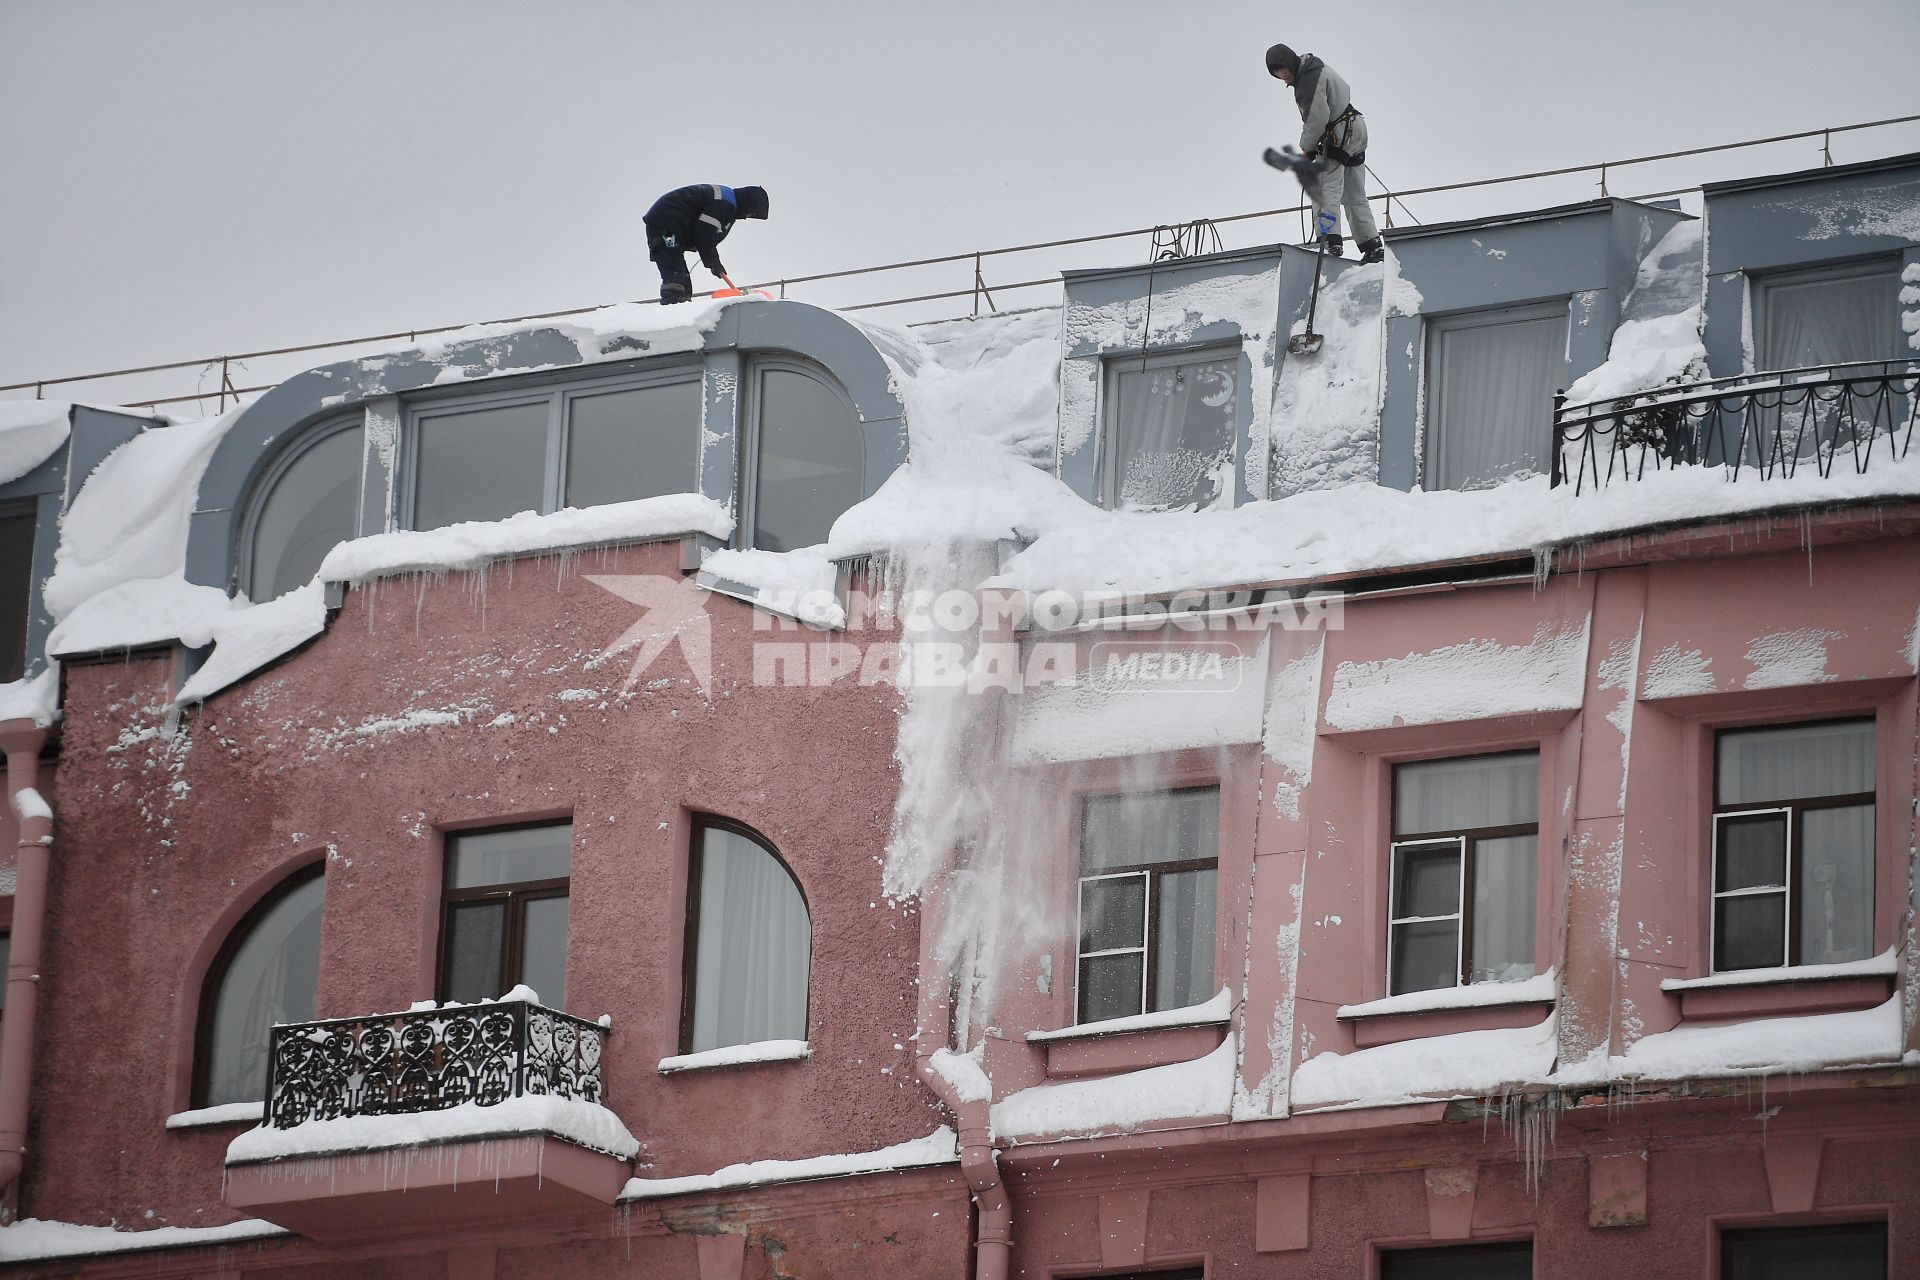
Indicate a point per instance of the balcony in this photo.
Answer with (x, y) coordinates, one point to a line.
(448, 1117)
(1771, 424)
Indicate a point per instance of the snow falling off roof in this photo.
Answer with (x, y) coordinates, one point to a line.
(31, 431)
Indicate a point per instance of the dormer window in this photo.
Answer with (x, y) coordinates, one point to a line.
(16, 588)
(1491, 376)
(1833, 315)
(309, 504)
(804, 457)
(1170, 423)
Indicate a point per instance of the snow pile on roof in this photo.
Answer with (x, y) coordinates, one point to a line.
(31, 431)
(1657, 342)
(39, 1240)
(1474, 1063)
(587, 1124)
(937, 1148)
(35, 698)
(1326, 417)
(1198, 1090)
(473, 544)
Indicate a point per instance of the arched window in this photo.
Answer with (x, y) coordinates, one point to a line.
(748, 943)
(806, 455)
(268, 971)
(309, 504)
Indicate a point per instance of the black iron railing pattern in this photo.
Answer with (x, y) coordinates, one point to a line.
(1771, 424)
(429, 1060)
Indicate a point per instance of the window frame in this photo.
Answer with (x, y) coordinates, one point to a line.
(201, 1078)
(1794, 809)
(1107, 466)
(1469, 839)
(690, 934)
(27, 509)
(1434, 330)
(1150, 930)
(1821, 1226)
(1386, 1256)
(516, 894)
(747, 464)
(1763, 283)
(276, 471)
(559, 397)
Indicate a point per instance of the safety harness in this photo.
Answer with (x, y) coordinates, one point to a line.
(1337, 150)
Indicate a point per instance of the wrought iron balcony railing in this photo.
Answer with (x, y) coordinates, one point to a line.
(429, 1060)
(1770, 423)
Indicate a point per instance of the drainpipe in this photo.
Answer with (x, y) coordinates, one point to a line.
(22, 740)
(993, 1238)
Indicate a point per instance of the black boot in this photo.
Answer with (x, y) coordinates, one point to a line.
(1335, 245)
(1373, 250)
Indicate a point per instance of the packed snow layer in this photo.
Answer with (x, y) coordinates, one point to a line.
(1326, 412)
(937, 1148)
(1646, 354)
(1367, 528)
(962, 1073)
(586, 1123)
(1767, 1045)
(737, 1055)
(1677, 673)
(31, 431)
(1474, 680)
(1884, 965)
(1538, 989)
(1475, 1063)
(28, 803)
(1094, 718)
(38, 1240)
(1218, 1008)
(1201, 1090)
(473, 544)
(225, 1113)
(1783, 659)
(35, 698)
(1667, 281)
(800, 583)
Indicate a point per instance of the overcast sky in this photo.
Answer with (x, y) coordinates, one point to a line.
(180, 178)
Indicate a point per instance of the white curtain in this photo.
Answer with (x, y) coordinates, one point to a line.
(1185, 960)
(1490, 399)
(1835, 871)
(1505, 889)
(1819, 322)
(1467, 794)
(1796, 762)
(750, 966)
(1174, 430)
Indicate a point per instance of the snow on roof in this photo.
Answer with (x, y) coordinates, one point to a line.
(937, 1148)
(586, 1124)
(40, 1240)
(31, 431)
(35, 698)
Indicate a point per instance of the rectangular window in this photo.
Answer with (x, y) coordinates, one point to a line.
(1833, 315)
(505, 917)
(16, 589)
(1491, 376)
(1170, 429)
(1511, 1261)
(1852, 1252)
(1463, 879)
(1793, 845)
(1148, 872)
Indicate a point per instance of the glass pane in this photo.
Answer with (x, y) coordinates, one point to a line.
(1113, 913)
(1184, 966)
(1426, 880)
(476, 936)
(1466, 1262)
(483, 464)
(1852, 1252)
(1490, 398)
(632, 444)
(1110, 986)
(312, 508)
(543, 949)
(1750, 932)
(16, 591)
(1425, 955)
(1146, 828)
(271, 977)
(1174, 432)
(1466, 794)
(518, 856)
(1835, 869)
(1795, 762)
(1833, 321)
(753, 949)
(1753, 852)
(1505, 887)
(809, 464)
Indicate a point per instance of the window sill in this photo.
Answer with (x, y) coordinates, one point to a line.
(737, 1055)
(1132, 1043)
(1806, 988)
(211, 1117)
(1483, 1006)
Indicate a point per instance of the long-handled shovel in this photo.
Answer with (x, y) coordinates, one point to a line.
(1306, 342)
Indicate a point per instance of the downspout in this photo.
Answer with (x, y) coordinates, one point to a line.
(22, 740)
(993, 1239)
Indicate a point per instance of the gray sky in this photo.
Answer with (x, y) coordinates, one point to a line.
(181, 178)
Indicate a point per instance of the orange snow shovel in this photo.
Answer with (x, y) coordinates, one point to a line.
(735, 291)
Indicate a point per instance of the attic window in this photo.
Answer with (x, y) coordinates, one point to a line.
(1491, 376)
(1170, 423)
(309, 504)
(805, 457)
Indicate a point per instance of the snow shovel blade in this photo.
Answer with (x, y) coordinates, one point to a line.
(1305, 344)
(1291, 161)
(731, 291)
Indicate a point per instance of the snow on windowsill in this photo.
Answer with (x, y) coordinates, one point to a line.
(737, 1055)
(1473, 1063)
(1207, 1013)
(39, 1240)
(225, 1113)
(1199, 1090)
(587, 1124)
(1760, 1047)
(1884, 965)
(1538, 989)
(937, 1148)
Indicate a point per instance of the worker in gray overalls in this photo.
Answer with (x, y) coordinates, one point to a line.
(1334, 134)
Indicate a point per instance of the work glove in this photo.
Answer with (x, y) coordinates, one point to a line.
(712, 261)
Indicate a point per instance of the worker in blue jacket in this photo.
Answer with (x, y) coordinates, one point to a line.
(697, 218)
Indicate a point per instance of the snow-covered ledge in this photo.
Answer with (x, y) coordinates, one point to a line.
(1884, 965)
(1206, 1013)
(39, 1240)
(737, 1055)
(1800, 988)
(1136, 1042)
(1480, 995)
(225, 1113)
(937, 1148)
(1422, 1015)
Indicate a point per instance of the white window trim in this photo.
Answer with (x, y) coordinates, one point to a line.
(1783, 891)
(1146, 918)
(1458, 916)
